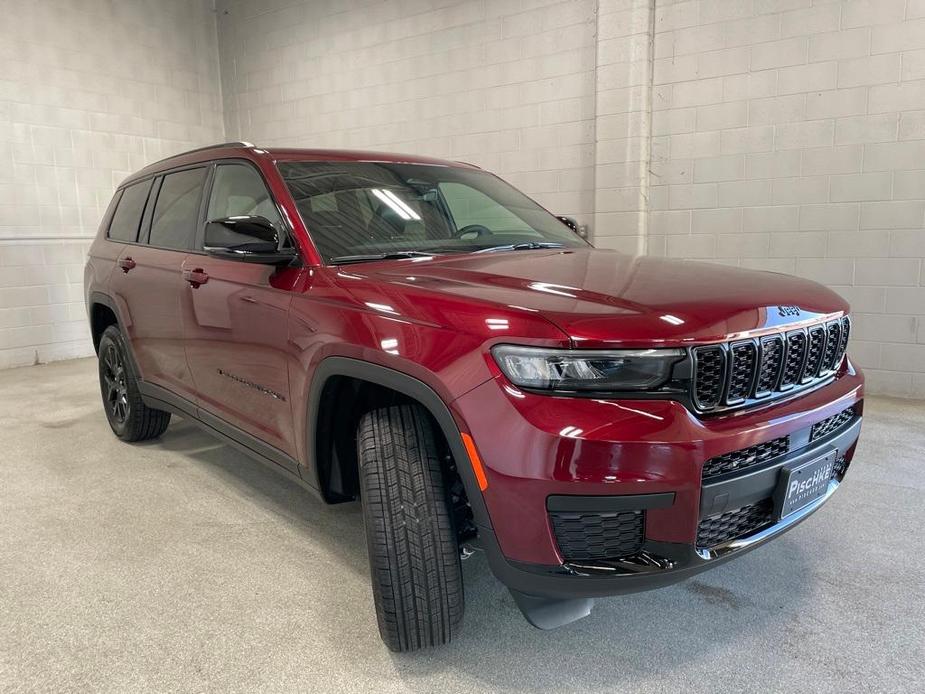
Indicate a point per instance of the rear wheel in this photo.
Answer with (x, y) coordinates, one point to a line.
(413, 552)
(129, 418)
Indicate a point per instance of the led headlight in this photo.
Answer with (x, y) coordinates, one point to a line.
(586, 370)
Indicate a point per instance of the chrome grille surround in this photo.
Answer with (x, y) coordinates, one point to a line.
(761, 369)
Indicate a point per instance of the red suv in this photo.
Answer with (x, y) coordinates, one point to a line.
(419, 335)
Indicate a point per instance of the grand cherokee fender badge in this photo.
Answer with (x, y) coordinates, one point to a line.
(250, 384)
(787, 311)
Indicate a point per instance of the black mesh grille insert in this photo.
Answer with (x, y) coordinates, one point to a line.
(832, 343)
(814, 353)
(709, 376)
(831, 424)
(841, 467)
(746, 457)
(793, 366)
(772, 357)
(843, 345)
(743, 357)
(733, 524)
(589, 536)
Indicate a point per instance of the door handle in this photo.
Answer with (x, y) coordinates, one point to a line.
(196, 277)
(126, 264)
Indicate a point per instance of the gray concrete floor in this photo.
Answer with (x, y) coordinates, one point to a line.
(182, 565)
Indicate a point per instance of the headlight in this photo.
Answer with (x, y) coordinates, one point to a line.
(586, 370)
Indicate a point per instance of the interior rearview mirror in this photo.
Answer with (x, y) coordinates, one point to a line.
(247, 238)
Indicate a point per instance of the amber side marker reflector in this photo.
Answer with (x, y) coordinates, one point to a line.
(476, 461)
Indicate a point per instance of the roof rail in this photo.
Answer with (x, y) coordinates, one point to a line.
(238, 143)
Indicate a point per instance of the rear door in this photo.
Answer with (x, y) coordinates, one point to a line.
(236, 321)
(149, 285)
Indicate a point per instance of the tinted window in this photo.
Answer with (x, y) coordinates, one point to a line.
(471, 207)
(127, 217)
(176, 212)
(239, 190)
(357, 208)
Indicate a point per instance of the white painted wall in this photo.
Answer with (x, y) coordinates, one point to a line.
(789, 135)
(89, 92)
(508, 84)
(778, 134)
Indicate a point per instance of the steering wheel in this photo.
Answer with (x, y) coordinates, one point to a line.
(477, 229)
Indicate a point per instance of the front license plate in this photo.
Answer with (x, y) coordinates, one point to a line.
(803, 484)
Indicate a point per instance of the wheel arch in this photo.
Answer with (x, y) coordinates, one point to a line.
(413, 389)
(100, 305)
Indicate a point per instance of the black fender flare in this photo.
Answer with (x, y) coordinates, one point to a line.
(97, 297)
(414, 389)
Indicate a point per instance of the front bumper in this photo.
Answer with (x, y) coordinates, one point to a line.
(650, 458)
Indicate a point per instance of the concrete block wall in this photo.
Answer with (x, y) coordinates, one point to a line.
(785, 135)
(89, 92)
(508, 84)
(789, 135)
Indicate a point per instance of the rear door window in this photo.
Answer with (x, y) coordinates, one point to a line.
(176, 212)
(127, 217)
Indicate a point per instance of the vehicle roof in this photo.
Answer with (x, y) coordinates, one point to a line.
(246, 150)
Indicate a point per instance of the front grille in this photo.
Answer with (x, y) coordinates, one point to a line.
(733, 524)
(709, 376)
(831, 424)
(746, 457)
(590, 536)
(737, 373)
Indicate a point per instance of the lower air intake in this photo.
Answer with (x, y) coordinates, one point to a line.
(734, 524)
(595, 536)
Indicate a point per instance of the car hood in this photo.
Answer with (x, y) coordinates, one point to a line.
(604, 298)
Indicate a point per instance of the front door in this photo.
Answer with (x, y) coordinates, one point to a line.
(235, 322)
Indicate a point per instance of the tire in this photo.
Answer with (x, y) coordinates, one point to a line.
(413, 552)
(128, 416)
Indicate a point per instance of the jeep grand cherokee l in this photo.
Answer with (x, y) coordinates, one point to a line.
(419, 335)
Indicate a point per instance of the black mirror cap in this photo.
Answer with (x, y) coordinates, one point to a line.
(246, 238)
(572, 224)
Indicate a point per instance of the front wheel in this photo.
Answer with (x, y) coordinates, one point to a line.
(413, 552)
(129, 418)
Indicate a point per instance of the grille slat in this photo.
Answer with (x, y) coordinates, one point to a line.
(772, 360)
(738, 373)
(746, 457)
(843, 344)
(732, 524)
(709, 376)
(793, 365)
(590, 536)
(832, 343)
(743, 359)
(814, 353)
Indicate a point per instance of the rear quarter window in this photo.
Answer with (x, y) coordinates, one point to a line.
(127, 218)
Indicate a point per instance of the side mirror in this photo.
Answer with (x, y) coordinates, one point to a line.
(573, 225)
(249, 239)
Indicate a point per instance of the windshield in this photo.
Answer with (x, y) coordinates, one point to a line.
(358, 211)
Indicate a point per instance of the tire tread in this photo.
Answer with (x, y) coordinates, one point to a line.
(414, 557)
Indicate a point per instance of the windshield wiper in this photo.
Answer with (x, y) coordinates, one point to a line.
(369, 257)
(526, 246)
